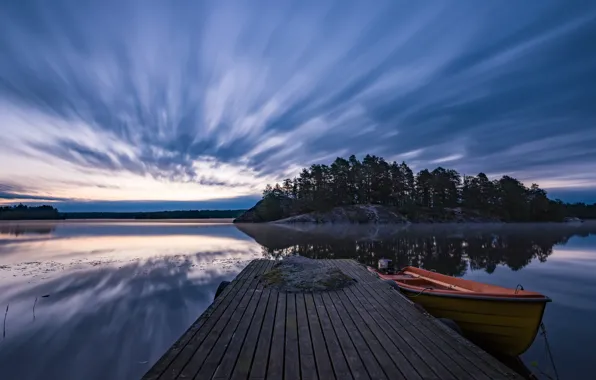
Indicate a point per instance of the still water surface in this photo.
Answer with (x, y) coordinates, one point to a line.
(120, 293)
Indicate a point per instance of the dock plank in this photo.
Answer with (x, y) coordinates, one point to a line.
(323, 362)
(247, 353)
(292, 354)
(308, 367)
(176, 358)
(277, 350)
(338, 364)
(408, 363)
(393, 363)
(225, 355)
(160, 366)
(351, 357)
(365, 331)
(414, 337)
(206, 358)
(258, 368)
(373, 367)
(477, 362)
(402, 333)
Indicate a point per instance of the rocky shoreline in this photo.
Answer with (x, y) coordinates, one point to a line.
(364, 214)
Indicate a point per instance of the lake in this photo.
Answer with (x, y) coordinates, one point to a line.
(105, 299)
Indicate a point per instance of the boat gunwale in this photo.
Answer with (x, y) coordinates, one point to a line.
(523, 296)
(472, 296)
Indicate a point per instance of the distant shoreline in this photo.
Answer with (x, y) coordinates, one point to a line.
(116, 220)
(22, 212)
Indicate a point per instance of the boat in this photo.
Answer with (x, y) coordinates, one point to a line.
(501, 320)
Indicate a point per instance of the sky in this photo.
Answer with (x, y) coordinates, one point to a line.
(129, 105)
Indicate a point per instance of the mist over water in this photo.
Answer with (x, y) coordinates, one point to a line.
(120, 293)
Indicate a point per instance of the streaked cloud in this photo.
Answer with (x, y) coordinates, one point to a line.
(196, 101)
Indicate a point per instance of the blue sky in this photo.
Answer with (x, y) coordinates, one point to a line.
(122, 105)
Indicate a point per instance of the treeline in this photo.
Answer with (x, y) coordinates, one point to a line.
(376, 181)
(581, 210)
(22, 212)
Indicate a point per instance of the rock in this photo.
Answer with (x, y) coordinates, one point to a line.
(572, 219)
(301, 274)
(283, 211)
(267, 210)
(350, 214)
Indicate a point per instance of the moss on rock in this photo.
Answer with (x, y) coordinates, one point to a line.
(300, 274)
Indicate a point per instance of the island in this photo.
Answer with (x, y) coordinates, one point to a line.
(376, 191)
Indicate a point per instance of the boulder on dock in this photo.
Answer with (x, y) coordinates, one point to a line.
(301, 274)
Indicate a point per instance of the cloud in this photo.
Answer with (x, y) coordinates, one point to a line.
(207, 100)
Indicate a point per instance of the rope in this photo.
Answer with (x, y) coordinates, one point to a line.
(550, 354)
(422, 291)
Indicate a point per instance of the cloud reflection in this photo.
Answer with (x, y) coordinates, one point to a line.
(116, 321)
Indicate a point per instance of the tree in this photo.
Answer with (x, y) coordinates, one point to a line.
(374, 180)
(287, 188)
(340, 182)
(513, 199)
(424, 188)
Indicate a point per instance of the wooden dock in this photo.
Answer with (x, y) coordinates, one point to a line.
(365, 331)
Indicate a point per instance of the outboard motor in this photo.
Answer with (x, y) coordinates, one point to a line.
(385, 266)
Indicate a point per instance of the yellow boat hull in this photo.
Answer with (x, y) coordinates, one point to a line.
(499, 325)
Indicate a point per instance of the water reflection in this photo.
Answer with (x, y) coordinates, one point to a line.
(119, 294)
(122, 292)
(447, 249)
(31, 229)
(115, 321)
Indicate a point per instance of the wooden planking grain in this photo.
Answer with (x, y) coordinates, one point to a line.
(308, 367)
(475, 360)
(373, 367)
(194, 336)
(357, 369)
(223, 325)
(324, 367)
(367, 330)
(398, 330)
(322, 359)
(292, 354)
(275, 369)
(395, 365)
(331, 334)
(416, 339)
(413, 317)
(420, 352)
(260, 359)
(168, 357)
(424, 363)
(245, 358)
(225, 364)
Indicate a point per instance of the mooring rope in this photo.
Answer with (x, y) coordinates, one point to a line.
(548, 350)
(420, 293)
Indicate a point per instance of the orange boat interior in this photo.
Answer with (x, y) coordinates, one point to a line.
(416, 279)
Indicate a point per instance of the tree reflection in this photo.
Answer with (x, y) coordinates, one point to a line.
(446, 249)
(26, 229)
